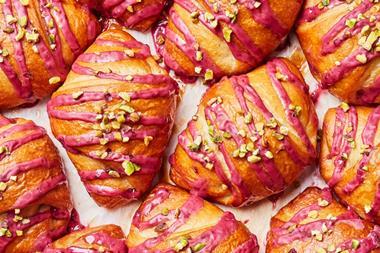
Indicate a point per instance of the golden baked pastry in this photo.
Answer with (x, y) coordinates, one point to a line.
(171, 220)
(114, 116)
(40, 39)
(212, 39)
(315, 222)
(252, 136)
(349, 160)
(106, 238)
(134, 14)
(340, 40)
(35, 204)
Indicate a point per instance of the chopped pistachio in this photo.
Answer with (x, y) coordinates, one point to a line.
(269, 154)
(198, 56)
(209, 75)
(227, 33)
(345, 107)
(198, 247)
(3, 186)
(254, 159)
(129, 52)
(323, 202)
(77, 94)
(181, 244)
(198, 70)
(147, 140)
(325, 2)
(367, 208)
(355, 244)
(248, 118)
(24, 2)
(362, 58)
(127, 108)
(350, 23)
(165, 211)
(23, 21)
(113, 173)
(54, 80)
(130, 8)
(130, 167)
(125, 96)
(313, 214)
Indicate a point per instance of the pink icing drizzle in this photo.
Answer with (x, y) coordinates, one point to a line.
(37, 218)
(189, 208)
(273, 67)
(368, 138)
(339, 148)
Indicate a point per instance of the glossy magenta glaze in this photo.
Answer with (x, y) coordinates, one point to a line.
(341, 145)
(53, 59)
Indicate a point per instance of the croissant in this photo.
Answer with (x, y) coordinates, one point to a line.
(315, 222)
(341, 42)
(212, 39)
(136, 14)
(171, 220)
(35, 204)
(114, 116)
(106, 238)
(39, 42)
(252, 136)
(349, 157)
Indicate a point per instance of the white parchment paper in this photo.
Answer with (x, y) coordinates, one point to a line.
(256, 217)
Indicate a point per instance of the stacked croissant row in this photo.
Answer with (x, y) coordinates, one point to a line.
(112, 106)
